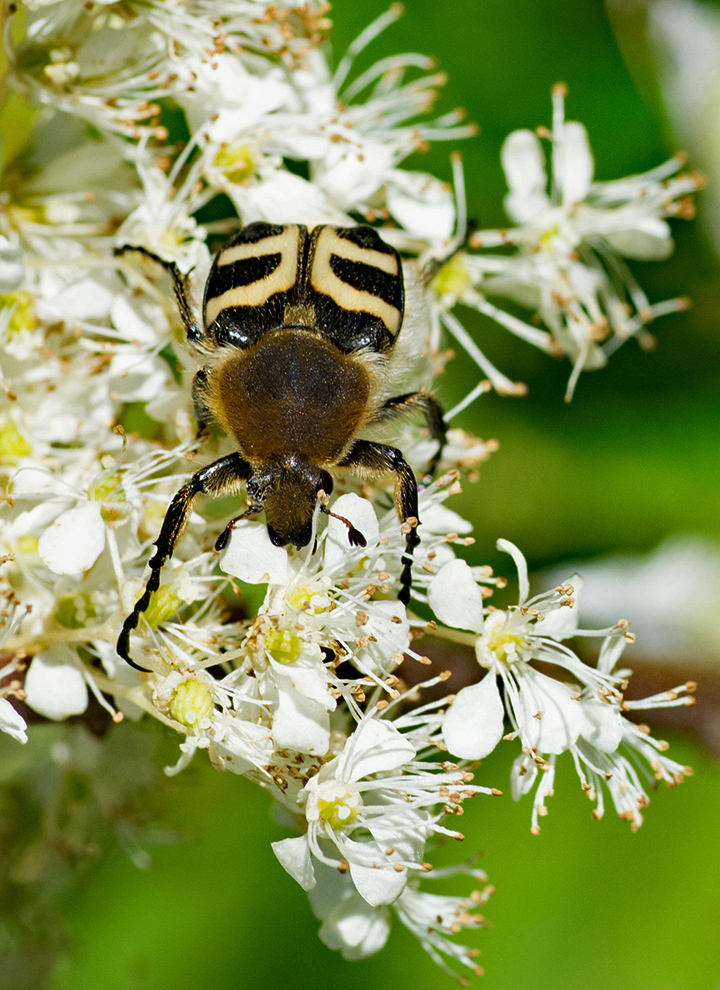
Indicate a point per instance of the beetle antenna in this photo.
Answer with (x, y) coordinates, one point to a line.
(354, 535)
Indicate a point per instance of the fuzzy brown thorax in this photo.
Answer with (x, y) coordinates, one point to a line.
(292, 393)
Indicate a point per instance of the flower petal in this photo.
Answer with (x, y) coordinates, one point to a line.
(421, 204)
(648, 239)
(378, 887)
(361, 514)
(374, 747)
(474, 724)
(387, 624)
(576, 173)
(437, 518)
(455, 597)
(522, 569)
(356, 928)
(549, 716)
(299, 723)
(603, 725)
(294, 856)
(524, 166)
(75, 540)
(252, 557)
(11, 722)
(54, 686)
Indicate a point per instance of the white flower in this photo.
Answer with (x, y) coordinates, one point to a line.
(610, 754)
(580, 709)
(569, 243)
(357, 929)
(435, 919)
(375, 805)
(545, 712)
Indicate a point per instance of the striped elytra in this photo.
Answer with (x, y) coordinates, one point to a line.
(344, 282)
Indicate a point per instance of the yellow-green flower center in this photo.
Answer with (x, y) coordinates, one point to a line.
(164, 603)
(236, 161)
(191, 701)
(339, 810)
(300, 598)
(108, 488)
(23, 317)
(545, 240)
(453, 278)
(283, 645)
(501, 640)
(13, 444)
(75, 611)
(27, 544)
(507, 646)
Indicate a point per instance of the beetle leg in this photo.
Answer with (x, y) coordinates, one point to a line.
(193, 332)
(203, 416)
(377, 458)
(431, 409)
(223, 477)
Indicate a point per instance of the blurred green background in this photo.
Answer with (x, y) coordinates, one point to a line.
(633, 459)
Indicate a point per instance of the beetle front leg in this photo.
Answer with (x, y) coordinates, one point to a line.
(223, 477)
(378, 458)
(431, 409)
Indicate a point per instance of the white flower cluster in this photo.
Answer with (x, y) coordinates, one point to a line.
(168, 125)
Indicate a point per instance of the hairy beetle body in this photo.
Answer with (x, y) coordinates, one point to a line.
(299, 347)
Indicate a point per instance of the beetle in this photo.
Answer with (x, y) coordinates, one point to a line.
(301, 352)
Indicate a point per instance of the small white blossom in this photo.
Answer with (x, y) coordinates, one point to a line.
(375, 805)
(544, 712)
(579, 709)
(357, 929)
(568, 244)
